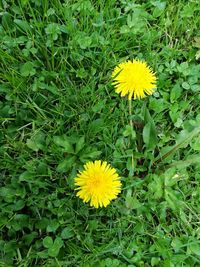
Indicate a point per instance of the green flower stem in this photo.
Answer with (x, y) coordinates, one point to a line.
(130, 112)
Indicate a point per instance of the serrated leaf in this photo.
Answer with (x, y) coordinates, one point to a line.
(63, 142)
(65, 165)
(89, 155)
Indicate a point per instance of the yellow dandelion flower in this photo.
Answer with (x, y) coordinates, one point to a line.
(134, 78)
(98, 183)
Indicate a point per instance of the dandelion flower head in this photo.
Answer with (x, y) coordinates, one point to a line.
(134, 78)
(98, 183)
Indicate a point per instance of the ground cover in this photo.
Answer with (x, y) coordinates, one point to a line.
(59, 110)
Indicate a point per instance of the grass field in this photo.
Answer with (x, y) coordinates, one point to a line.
(59, 110)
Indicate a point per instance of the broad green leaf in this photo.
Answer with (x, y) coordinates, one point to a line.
(159, 8)
(37, 142)
(197, 56)
(28, 69)
(99, 106)
(195, 87)
(47, 242)
(52, 88)
(129, 132)
(67, 232)
(84, 41)
(149, 130)
(28, 238)
(186, 85)
(184, 68)
(176, 244)
(155, 187)
(171, 177)
(53, 251)
(195, 144)
(26, 177)
(155, 261)
(8, 194)
(80, 144)
(97, 125)
(55, 248)
(124, 29)
(132, 203)
(53, 29)
(24, 2)
(19, 205)
(6, 21)
(52, 226)
(197, 42)
(172, 199)
(58, 243)
(149, 135)
(175, 92)
(194, 248)
(23, 25)
(50, 12)
(158, 105)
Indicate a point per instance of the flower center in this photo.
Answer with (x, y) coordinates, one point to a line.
(95, 182)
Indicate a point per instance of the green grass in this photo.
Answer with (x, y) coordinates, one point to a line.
(56, 60)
